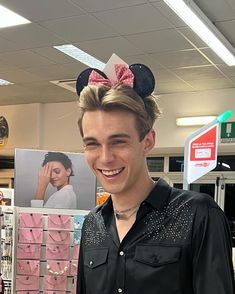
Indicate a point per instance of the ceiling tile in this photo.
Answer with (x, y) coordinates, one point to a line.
(170, 15)
(124, 19)
(58, 72)
(103, 48)
(53, 55)
(164, 76)
(175, 87)
(216, 10)
(231, 3)
(48, 87)
(34, 89)
(227, 29)
(180, 58)
(39, 10)
(214, 58)
(30, 36)
(144, 59)
(139, 31)
(5, 66)
(198, 73)
(159, 41)
(25, 59)
(208, 84)
(228, 70)
(19, 76)
(73, 69)
(8, 93)
(80, 28)
(52, 72)
(93, 6)
(6, 45)
(192, 37)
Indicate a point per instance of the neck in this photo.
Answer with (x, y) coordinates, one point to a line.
(133, 198)
(59, 188)
(126, 214)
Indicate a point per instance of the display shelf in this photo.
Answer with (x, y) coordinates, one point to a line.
(7, 247)
(51, 230)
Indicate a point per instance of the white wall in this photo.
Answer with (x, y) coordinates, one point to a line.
(60, 128)
(24, 126)
(53, 126)
(190, 104)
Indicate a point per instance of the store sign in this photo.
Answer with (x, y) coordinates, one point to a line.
(227, 134)
(202, 153)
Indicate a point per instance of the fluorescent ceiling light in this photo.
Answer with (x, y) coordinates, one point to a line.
(5, 83)
(194, 121)
(191, 14)
(81, 56)
(9, 18)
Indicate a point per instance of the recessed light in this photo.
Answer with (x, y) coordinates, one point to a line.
(81, 56)
(5, 83)
(9, 18)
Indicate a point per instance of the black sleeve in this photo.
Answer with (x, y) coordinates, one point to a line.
(212, 255)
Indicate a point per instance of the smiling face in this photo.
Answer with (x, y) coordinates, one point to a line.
(59, 175)
(114, 151)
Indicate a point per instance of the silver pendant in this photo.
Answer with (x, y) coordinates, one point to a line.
(121, 216)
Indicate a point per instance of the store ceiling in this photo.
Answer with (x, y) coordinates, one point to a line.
(138, 31)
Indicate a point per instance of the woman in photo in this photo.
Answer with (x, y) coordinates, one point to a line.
(56, 169)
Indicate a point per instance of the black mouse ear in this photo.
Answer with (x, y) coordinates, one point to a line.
(83, 78)
(144, 81)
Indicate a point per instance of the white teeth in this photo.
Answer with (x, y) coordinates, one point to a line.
(111, 172)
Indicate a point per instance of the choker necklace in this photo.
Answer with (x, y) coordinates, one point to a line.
(123, 214)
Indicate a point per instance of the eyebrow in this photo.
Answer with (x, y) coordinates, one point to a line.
(114, 136)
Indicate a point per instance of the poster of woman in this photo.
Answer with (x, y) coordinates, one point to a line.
(6, 196)
(53, 179)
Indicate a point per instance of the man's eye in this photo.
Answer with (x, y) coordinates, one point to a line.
(118, 142)
(90, 145)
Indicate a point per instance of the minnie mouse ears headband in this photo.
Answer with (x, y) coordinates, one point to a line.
(138, 76)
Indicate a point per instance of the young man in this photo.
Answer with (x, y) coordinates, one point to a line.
(147, 237)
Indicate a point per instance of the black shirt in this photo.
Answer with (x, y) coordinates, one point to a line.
(180, 243)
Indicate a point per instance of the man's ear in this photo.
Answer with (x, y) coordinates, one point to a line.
(149, 141)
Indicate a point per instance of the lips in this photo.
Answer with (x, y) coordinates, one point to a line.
(111, 173)
(54, 182)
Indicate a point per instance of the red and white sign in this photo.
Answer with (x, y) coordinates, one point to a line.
(202, 155)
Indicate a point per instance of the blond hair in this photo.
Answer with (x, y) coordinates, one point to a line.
(120, 97)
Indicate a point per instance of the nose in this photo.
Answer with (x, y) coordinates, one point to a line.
(106, 154)
(53, 175)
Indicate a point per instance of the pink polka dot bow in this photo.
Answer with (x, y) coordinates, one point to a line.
(123, 73)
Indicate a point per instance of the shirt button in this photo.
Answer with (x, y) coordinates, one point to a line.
(119, 290)
(91, 263)
(155, 259)
(121, 253)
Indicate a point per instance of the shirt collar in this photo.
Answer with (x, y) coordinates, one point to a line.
(158, 198)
